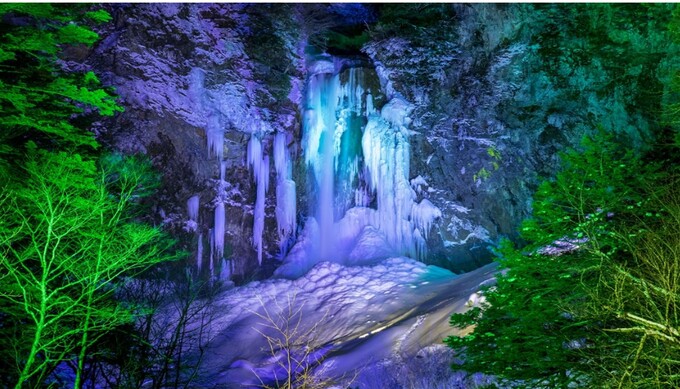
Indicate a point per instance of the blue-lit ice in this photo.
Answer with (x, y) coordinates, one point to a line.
(340, 319)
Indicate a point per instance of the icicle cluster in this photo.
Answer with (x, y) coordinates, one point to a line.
(386, 149)
(215, 134)
(423, 215)
(387, 154)
(259, 165)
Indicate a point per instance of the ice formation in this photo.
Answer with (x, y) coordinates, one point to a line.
(212, 254)
(214, 130)
(281, 157)
(199, 252)
(318, 142)
(192, 208)
(286, 195)
(219, 225)
(393, 307)
(215, 134)
(423, 215)
(387, 155)
(358, 158)
(223, 168)
(218, 231)
(259, 165)
(225, 270)
(357, 154)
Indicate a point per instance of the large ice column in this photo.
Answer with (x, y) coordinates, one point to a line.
(386, 153)
(259, 165)
(318, 143)
(357, 157)
(286, 207)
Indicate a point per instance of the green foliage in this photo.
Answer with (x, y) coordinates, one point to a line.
(594, 185)
(544, 321)
(38, 96)
(68, 228)
(484, 174)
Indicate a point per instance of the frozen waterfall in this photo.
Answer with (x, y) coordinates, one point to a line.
(362, 206)
(358, 158)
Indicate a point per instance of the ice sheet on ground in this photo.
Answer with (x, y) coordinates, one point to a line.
(354, 315)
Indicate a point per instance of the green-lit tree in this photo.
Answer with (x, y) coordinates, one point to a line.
(555, 314)
(68, 231)
(68, 237)
(38, 96)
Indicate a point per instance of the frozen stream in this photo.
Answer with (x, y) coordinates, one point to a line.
(345, 318)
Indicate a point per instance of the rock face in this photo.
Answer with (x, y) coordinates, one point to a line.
(198, 76)
(496, 91)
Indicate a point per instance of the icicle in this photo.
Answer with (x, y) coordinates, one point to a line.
(218, 230)
(423, 215)
(254, 155)
(258, 222)
(285, 208)
(215, 134)
(199, 252)
(280, 154)
(192, 208)
(369, 104)
(223, 168)
(285, 193)
(421, 246)
(212, 254)
(225, 270)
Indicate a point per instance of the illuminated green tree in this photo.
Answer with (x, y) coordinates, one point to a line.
(39, 98)
(592, 299)
(68, 237)
(68, 233)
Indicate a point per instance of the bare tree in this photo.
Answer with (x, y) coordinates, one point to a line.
(294, 344)
(69, 235)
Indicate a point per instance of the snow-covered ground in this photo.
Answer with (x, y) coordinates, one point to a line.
(339, 323)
